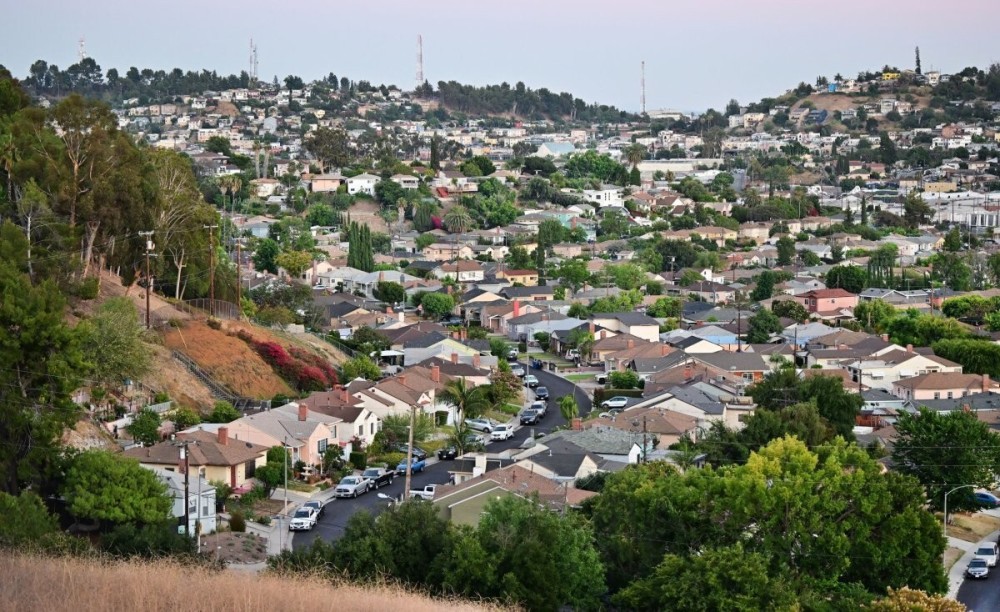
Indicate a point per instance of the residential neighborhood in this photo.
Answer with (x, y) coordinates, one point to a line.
(300, 315)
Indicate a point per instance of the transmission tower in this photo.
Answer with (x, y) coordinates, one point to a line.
(642, 87)
(420, 60)
(253, 61)
(81, 50)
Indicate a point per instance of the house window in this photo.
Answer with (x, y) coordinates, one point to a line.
(949, 395)
(937, 395)
(321, 446)
(372, 428)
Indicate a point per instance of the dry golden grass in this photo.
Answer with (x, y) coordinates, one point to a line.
(972, 527)
(31, 584)
(952, 555)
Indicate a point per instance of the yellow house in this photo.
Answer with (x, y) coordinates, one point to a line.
(940, 187)
(216, 456)
(890, 76)
(528, 278)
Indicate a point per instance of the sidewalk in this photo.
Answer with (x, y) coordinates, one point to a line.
(956, 575)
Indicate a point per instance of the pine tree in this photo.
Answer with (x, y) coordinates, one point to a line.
(918, 61)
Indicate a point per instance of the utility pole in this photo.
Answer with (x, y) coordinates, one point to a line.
(211, 268)
(409, 451)
(645, 448)
(239, 278)
(185, 460)
(149, 281)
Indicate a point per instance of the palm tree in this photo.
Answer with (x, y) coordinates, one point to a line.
(583, 341)
(468, 401)
(635, 153)
(458, 220)
(568, 408)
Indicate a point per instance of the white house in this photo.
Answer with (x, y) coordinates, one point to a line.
(201, 498)
(362, 183)
(608, 196)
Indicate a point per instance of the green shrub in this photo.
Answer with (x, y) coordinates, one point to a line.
(237, 522)
(214, 323)
(88, 289)
(359, 460)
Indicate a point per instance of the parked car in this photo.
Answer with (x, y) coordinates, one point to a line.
(541, 393)
(541, 408)
(318, 505)
(987, 500)
(978, 568)
(377, 477)
(530, 417)
(351, 486)
(531, 380)
(502, 432)
(989, 552)
(602, 378)
(448, 452)
(426, 493)
(572, 354)
(512, 354)
(483, 425)
(418, 453)
(618, 401)
(416, 466)
(452, 320)
(517, 370)
(304, 519)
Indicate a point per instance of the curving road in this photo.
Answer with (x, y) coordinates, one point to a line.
(339, 511)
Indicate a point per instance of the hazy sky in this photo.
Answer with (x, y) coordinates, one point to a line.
(698, 53)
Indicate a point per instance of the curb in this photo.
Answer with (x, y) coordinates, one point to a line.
(956, 575)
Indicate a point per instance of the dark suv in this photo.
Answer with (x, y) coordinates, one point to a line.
(530, 417)
(541, 393)
(419, 454)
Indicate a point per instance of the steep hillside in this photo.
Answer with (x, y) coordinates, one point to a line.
(31, 584)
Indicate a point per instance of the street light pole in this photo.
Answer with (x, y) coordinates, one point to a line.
(946, 505)
(409, 452)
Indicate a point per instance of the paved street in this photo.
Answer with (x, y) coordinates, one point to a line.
(980, 595)
(338, 511)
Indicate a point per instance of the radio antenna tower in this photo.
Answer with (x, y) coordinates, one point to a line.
(420, 60)
(253, 62)
(642, 86)
(81, 50)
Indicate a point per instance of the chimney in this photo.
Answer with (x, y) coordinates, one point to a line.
(463, 334)
(388, 311)
(577, 424)
(401, 316)
(986, 383)
(402, 379)
(436, 373)
(303, 409)
(517, 308)
(663, 350)
(343, 395)
(631, 343)
(454, 357)
(687, 372)
(604, 334)
(885, 337)
(455, 335)
(591, 327)
(909, 348)
(224, 436)
(381, 276)
(476, 363)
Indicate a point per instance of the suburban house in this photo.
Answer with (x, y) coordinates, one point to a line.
(265, 187)
(555, 149)
(464, 504)
(307, 433)
(528, 278)
(443, 251)
(609, 444)
(464, 271)
(943, 385)
(882, 371)
(635, 323)
(406, 181)
(667, 425)
(362, 183)
(356, 421)
(829, 302)
(216, 456)
(324, 183)
(202, 517)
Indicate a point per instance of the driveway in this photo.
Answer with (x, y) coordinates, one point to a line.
(339, 511)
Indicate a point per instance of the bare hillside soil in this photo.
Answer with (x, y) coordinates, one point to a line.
(227, 358)
(367, 213)
(31, 584)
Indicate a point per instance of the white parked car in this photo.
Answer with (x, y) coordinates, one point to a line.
(304, 519)
(615, 402)
(988, 552)
(351, 486)
(502, 432)
(483, 425)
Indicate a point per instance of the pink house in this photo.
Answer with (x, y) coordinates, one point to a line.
(821, 301)
(942, 385)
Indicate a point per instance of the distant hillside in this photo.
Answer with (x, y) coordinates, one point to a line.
(32, 584)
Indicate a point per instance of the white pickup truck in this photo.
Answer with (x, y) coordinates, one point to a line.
(426, 493)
